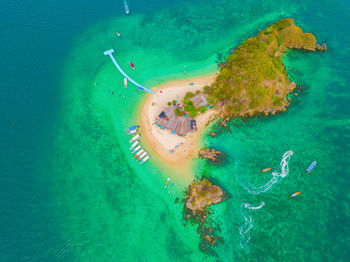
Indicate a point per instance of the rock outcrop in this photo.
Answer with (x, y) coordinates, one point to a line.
(202, 195)
(210, 154)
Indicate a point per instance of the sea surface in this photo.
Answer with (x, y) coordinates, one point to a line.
(69, 188)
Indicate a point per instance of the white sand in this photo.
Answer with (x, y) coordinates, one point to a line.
(162, 141)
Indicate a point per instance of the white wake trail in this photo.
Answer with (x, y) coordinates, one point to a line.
(276, 176)
(248, 223)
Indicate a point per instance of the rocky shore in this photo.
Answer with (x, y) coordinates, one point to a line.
(211, 154)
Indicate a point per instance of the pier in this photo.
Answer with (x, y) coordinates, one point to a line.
(140, 87)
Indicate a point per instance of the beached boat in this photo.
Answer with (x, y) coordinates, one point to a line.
(132, 132)
(265, 170)
(126, 7)
(118, 34)
(134, 138)
(139, 153)
(309, 169)
(144, 160)
(126, 82)
(294, 194)
(132, 66)
(134, 144)
(132, 128)
(142, 156)
(136, 149)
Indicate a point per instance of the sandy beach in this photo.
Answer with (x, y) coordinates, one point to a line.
(162, 141)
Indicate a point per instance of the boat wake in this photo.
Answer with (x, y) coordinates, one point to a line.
(248, 224)
(276, 176)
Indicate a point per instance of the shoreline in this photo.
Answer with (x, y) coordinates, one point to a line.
(161, 141)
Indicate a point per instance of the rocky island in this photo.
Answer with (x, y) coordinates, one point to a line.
(253, 80)
(200, 195)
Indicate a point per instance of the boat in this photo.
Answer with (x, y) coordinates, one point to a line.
(132, 132)
(132, 66)
(132, 128)
(126, 7)
(126, 82)
(139, 153)
(142, 156)
(144, 160)
(311, 166)
(265, 170)
(134, 138)
(136, 149)
(118, 34)
(134, 144)
(294, 194)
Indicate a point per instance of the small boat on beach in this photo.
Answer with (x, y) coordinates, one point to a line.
(311, 166)
(136, 149)
(126, 7)
(132, 66)
(139, 153)
(132, 128)
(144, 160)
(134, 144)
(294, 194)
(132, 132)
(265, 170)
(142, 156)
(118, 34)
(126, 82)
(134, 138)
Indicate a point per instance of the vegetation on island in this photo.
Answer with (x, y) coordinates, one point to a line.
(253, 80)
(189, 108)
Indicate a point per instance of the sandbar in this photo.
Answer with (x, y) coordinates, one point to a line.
(161, 141)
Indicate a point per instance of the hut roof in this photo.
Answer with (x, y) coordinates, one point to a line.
(199, 100)
(181, 125)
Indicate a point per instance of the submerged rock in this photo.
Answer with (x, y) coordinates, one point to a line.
(210, 240)
(210, 154)
(321, 47)
(212, 134)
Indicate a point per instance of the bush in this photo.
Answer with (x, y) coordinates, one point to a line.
(178, 112)
(169, 103)
(189, 95)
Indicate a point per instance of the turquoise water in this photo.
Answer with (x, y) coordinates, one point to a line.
(71, 192)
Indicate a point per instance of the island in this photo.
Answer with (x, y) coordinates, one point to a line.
(252, 81)
(200, 195)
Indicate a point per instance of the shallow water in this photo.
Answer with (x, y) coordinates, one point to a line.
(71, 191)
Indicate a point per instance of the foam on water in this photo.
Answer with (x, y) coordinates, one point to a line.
(248, 224)
(276, 176)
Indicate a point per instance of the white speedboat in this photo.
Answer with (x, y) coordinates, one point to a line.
(136, 149)
(142, 156)
(134, 144)
(134, 138)
(139, 153)
(132, 132)
(144, 160)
